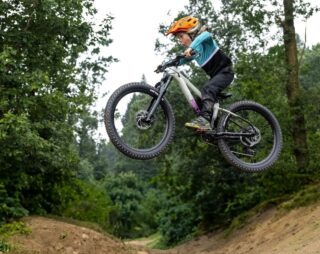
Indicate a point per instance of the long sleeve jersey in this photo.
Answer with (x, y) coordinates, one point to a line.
(208, 54)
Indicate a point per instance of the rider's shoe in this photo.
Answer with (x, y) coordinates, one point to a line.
(200, 123)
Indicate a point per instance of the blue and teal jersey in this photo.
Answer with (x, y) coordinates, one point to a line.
(208, 55)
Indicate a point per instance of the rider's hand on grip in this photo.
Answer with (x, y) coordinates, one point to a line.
(159, 69)
(175, 61)
(189, 52)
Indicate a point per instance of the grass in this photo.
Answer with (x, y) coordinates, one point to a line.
(10, 229)
(308, 196)
(154, 241)
(238, 222)
(305, 197)
(4, 247)
(241, 220)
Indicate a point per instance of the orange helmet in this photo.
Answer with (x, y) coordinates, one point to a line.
(187, 24)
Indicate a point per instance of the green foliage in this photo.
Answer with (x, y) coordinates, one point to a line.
(309, 79)
(238, 222)
(9, 207)
(193, 172)
(31, 163)
(126, 191)
(154, 241)
(89, 203)
(4, 247)
(86, 171)
(177, 221)
(135, 205)
(110, 160)
(152, 204)
(50, 65)
(45, 83)
(304, 197)
(10, 229)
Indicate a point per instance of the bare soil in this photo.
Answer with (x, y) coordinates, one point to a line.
(296, 232)
(52, 237)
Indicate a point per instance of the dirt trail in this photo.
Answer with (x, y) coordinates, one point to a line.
(297, 232)
(52, 237)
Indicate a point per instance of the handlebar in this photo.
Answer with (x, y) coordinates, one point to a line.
(173, 62)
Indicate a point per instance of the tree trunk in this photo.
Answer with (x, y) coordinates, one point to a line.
(293, 88)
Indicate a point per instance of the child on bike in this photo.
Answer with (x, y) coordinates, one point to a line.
(201, 46)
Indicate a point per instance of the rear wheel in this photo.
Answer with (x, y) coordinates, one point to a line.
(127, 124)
(260, 142)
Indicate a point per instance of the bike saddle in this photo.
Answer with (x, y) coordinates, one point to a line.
(222, 96)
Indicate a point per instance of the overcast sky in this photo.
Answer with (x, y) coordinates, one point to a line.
(135, 30)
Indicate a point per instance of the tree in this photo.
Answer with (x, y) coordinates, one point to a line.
(310, 83)
(190, 173)
(257, 17)
(244, 27)
(299, 133)
(46, 80)
(126, 191)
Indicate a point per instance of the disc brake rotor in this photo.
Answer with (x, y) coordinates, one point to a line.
(141, 120)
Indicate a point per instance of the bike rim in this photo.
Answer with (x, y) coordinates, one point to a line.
(256, 149)
(130, 125)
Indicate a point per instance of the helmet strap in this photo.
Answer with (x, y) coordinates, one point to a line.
(193, 35)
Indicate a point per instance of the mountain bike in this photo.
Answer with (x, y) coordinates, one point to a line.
(140, 122)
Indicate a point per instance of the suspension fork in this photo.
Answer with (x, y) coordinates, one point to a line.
(156, 101)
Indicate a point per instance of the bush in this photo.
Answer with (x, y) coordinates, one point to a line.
(178, 221)
(10, 229)
(4, 247)
(126, 191)
(89, 203)
(9, 207)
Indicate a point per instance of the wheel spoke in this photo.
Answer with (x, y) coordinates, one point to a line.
(135, 130)
(244, 154)
(254, 149)
(130, 126)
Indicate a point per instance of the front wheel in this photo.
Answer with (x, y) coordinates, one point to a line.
(128, 126)
(254, 142)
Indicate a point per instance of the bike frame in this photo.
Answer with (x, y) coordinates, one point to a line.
(185, 86)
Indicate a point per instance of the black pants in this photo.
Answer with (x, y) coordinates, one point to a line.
(217, 83)
(212, 88)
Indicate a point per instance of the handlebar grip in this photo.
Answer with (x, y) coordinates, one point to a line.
(173, 62)
(159, 69)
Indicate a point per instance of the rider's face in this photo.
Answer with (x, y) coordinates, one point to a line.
(184, 39)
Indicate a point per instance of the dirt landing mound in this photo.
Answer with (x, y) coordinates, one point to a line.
(52, 237)
(297, 232)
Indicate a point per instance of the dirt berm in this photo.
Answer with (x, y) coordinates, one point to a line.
(295, 232)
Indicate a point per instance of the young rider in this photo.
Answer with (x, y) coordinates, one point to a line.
(212, 60)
